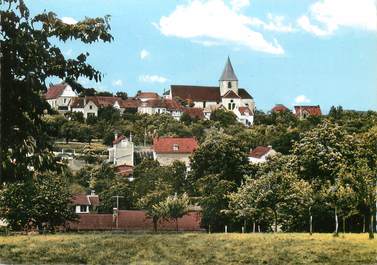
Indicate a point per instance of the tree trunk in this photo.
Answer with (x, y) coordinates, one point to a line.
(311, 225)
(364, 223)
(336, 222)
(253, 227)
(371, 235)
(344, 225)
(276, 222)
(259, 228)
(176, 224)
(244, 225)
(155, 224)
(209, 229)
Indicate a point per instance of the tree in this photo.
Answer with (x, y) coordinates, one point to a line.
(29, 58)
(173, 207)
(44, 201)
(104, 94)
(224, 117)
(122, 95)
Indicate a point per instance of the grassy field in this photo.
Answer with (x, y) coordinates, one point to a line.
(109, 248)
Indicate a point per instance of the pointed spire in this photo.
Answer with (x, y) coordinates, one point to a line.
(228, 73)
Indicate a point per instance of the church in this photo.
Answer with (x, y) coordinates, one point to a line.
(227, 95)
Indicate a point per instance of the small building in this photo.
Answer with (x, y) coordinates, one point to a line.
(86, 105)
(303, 112)
(122, 151)
(166, 150)
(244, 115)
(85, 204)
(161, 106)
(260, 154)
(278, 108)
(60, 97)
(145, 96)
(129, 105)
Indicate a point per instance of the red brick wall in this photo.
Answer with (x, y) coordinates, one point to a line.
(131, 220)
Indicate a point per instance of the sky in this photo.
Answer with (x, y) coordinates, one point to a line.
(291, 52)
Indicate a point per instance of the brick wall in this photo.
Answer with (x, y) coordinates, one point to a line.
(134, 220)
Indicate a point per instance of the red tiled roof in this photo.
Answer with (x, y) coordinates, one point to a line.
(194, 113)
(147, 95)
(279, 108)
(169, 104)
(196, 93)
(55, 91)
(83, 199)
(124, 170)
(129, 103)
(119, 139)
(167, 144)
(311, 110)
(245, 110)
(231, 94)
(259, 151)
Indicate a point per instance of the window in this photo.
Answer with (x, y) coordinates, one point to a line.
(231, 105)
(65, 100)
(175, 147)
(90, 114)
(90, 107)
(229, 84)
(83, 208)
(204, 104)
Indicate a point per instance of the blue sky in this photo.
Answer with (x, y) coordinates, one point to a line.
(283, 51)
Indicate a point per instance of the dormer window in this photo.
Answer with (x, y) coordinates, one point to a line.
(175, 147)
(229, 84)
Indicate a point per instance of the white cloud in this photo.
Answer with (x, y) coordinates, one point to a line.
(152, 79)
(117, 83)
(69, 20)
(275, 23)
(301, 99)
(239, 4)
(330, 15)
(144, 54)
(215, 22)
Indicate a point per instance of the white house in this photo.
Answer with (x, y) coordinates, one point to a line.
(85, 203)
(60, 97)
(122, 151)
(260, 154)
(86, 105)
(160, 106)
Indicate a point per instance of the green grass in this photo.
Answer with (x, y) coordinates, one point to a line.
(109, 248)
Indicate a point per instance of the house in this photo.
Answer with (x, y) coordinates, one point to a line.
(260, 154)
(244, 115)
(168, 149)
(85, 204)
(60, 97)
(228, 94)
(129, 105)
(122, 151)
(145, 96)
(303, 112)
(278, 108)
(161, 106)
(86, 105)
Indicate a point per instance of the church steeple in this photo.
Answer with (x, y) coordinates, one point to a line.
(228, 79)
(228, 73)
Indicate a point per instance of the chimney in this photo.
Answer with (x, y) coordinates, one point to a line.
(131, 137)
(115, 136)
(92, 193)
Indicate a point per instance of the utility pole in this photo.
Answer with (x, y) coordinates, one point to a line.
(1, 120)
(117, 209)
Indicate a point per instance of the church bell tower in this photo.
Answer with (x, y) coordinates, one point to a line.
(228, 79)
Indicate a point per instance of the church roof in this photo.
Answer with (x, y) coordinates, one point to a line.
(228, 73)
(231, 94)
(196, 93)
(244, 94)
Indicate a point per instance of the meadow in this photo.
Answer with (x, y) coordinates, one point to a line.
(188, 248)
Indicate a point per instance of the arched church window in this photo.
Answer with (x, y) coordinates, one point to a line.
(229, 84)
